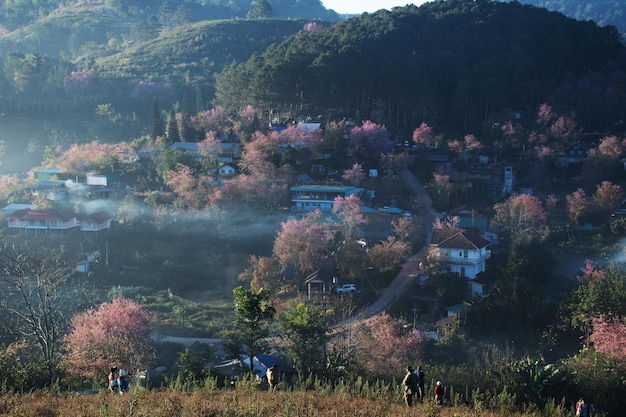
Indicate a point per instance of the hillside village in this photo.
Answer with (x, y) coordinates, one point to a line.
(226, 195)
(487, 174)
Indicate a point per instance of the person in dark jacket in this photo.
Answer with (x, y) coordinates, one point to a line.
(421, 376)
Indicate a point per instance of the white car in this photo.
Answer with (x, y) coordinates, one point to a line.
(345, 288)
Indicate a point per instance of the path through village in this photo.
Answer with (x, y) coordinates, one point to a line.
(407, 275)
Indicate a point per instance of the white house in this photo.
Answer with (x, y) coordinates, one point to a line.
(226, 170)
(463, 252)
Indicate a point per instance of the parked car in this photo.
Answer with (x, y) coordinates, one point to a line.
(408, 215)
(345, 288)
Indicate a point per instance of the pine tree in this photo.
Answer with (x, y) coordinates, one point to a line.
(171, 131)
(156, 124)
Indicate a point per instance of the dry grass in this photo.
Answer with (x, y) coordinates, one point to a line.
(235, 403)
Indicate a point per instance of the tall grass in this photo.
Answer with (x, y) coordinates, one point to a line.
(247, 397)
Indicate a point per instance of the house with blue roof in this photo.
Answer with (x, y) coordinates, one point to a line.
(305, 198)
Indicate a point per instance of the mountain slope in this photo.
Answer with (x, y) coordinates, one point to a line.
(451, 63)
(603, 12)
(67, 29)
(197, 51)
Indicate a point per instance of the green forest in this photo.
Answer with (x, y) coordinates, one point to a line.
(439, 63)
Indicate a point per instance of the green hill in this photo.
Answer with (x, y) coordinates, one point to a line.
(454, 64)
(66, 30)
(196, 52)
(603, 12)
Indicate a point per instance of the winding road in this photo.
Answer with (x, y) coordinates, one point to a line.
(406, 276)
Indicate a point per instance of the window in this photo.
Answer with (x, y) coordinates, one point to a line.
(465, 253)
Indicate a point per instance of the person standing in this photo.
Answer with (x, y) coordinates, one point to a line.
(421, 376)
(410, 384)
(440, 392)
(113, 380)
(122, 382)
(272, 377)
(582, 408)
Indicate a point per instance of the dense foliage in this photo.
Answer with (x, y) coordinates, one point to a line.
(603, 12)
(439, 63)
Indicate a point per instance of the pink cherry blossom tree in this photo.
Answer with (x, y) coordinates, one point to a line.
(609, 337)
(383, 340)
(368, 142)
(348, 209)
(184, 183)
(606, 199)
(248, 117)
(302, 243)
(354, 175)
(590, 272)
(523, 215)
(112, 334)
(577, 205)
(389, 253)
(209, 150)
(215, 119)
(424, 135)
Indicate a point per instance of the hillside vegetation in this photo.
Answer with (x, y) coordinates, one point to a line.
(603, 12)
(235, 403)
(195, 53)
(451, 63)
(91, 69)
(18, 13)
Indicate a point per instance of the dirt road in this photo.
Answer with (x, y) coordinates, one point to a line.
(406, 277)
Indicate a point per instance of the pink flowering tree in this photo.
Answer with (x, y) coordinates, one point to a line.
(215, 119)
(604, 161)
(606, 199)
(88, 157)
(249, 119)
(609, 337)
(187, 187)
(590, 272)
(209, 150)
(577, 205)
(523, 215)
(383, 340)
(368, 142)
(302, 243)
(301, 138)
(354, 175)
(469, 144)
(388, 254)
(424, 135)
(112, 334)
(348, 209)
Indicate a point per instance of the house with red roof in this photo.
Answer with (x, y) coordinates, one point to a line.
(42, 221)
